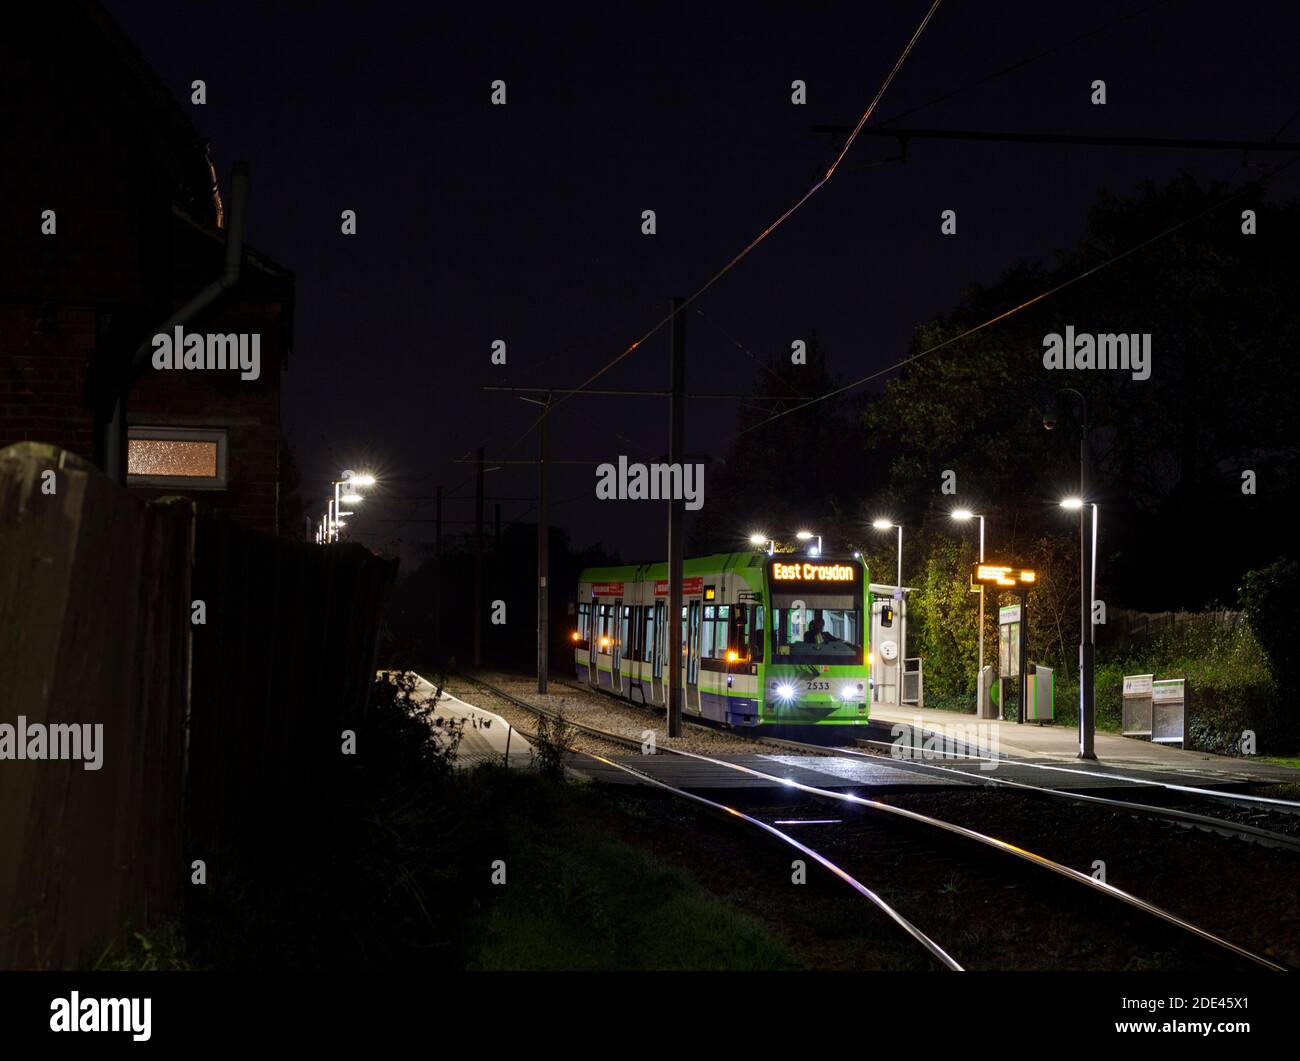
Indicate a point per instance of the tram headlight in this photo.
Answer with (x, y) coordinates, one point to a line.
(785, 691)
(849, 692)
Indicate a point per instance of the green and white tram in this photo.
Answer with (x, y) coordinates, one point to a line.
(773, 641)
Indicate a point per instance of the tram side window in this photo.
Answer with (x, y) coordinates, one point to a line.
(624, 638)
(602, 626)
(648, 624)
(584, 621)
(715, 631)
(720, 630)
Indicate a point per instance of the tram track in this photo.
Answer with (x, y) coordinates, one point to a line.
(733, 814)
(1188, 819)
(1184, 928)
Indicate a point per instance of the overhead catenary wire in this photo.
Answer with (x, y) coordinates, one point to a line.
(966, 86)
(1022, 63)
(767, 231)
(1091, 271)
(750, 354)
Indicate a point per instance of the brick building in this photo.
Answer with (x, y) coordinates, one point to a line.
(110, 220)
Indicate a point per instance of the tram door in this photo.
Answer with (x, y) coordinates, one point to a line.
(618, 631)
(692, 645)
(597, 622)
(655, 644)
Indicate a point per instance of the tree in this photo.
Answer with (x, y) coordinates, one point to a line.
(1167, 450)
(801, 469)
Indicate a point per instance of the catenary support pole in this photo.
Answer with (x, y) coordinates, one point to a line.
(677, 661)
(543, 548)
(478, 560)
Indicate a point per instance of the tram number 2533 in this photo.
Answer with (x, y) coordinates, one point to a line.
(815, 686)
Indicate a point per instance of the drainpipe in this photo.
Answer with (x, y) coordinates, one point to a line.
(112, 431)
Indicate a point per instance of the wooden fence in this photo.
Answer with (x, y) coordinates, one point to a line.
(211, 733)
(283, 666)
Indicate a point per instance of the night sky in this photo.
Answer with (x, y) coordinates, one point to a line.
(478, 222)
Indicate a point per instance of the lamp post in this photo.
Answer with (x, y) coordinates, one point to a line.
(884, 525)
(763, 541)
(807, 536)
(1073, 504)
(1087, 549)
(962, 515)
(351, 482)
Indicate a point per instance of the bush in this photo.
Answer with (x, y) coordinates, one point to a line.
(363, 880)
(1272, 604)
(554, 742)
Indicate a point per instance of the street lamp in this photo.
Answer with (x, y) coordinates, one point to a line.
(763, 540)
(807, 536)
(1073, 504)
(884, 525)
(1087, 552)
(349, 481)
(963, 515)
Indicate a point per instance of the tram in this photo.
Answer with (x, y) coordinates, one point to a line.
(779, 641)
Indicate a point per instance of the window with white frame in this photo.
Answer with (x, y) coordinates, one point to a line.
(183, 457)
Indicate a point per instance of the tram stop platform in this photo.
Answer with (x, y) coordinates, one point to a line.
(1060, 744)
(485, 737)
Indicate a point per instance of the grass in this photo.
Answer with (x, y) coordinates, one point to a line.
(581, 893)
(580, 898)
(162, 949)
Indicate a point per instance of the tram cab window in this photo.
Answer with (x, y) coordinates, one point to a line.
(746, 640)
(807, 633)
(747, 632)
(584, 621)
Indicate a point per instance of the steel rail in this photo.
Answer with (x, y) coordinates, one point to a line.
(889, 911)
(1031, 857)
(1254, 834)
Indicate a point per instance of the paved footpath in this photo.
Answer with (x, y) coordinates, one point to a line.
(1061, 743)
(485, 736)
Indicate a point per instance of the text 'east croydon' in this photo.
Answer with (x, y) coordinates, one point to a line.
(813, 572)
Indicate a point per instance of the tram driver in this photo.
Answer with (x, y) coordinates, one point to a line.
(817, 633)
